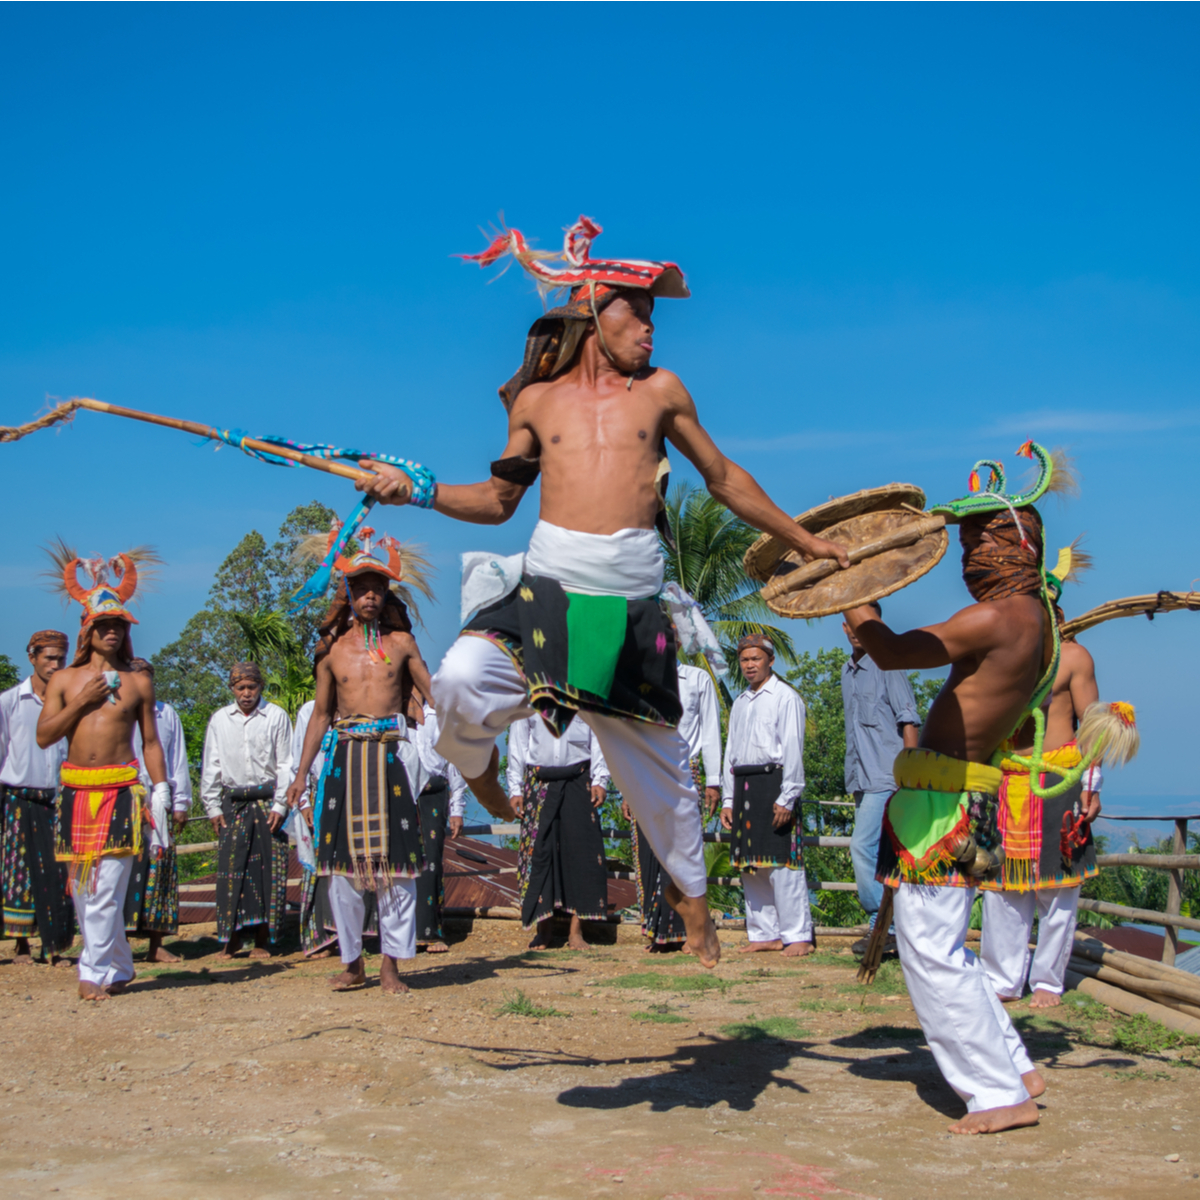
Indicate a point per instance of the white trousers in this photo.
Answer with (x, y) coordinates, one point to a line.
(107, 957)
(1007, 925)
(777, 907)
(397, 909)
(478, 693)
(976, 1047)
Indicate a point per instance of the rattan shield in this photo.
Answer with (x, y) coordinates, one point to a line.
(892, 543)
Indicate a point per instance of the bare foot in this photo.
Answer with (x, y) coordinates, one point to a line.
(539, 941)
(389, 978)
(798, 949)
(231, 948)
(260, 952)
(91, 991)
(487, 790)
(993, 1120)
(156, 952)
(1035, 1085)
(575, 938)
(354, 976)
(23, 958)
(57, 960)
(433, 947)
(225, 956)
(1044, 999)
(754, 947)
(262, 942)
(115, 989)
(701, 932)
(326, 953)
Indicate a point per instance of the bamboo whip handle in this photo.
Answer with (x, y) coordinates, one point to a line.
(208, 431)
(822, 568)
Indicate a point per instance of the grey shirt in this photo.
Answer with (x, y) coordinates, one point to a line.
(876, 704)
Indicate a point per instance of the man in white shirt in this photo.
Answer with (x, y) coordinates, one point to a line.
(34, 884)
(318, 933)
(560, 858)
(442, 802)
(700, 727)
(243, 785)
(152, 900)
(764, 780)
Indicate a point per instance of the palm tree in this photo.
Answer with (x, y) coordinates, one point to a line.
(273, 644)
(706, 562)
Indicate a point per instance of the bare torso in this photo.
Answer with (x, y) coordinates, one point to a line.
(373, 689)
(599, 446)
(989, 686)
(1074, 689)
(102, 735)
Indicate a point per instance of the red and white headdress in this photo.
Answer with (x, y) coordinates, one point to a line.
(383, 557)
(102, 598)
(575, 266)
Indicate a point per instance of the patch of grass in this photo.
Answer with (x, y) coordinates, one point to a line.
(889, 980)
(204, 974)
(517, 1004)
(740, 1002)
(764, 1028)
(1140, 1034)
(660, 1014)
(830, 958)
(1084, 1021)
(893, 1033)
(653, 981)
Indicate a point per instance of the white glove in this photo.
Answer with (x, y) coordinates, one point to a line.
(160, 819)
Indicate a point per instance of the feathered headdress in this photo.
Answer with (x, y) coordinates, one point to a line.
(1056, 476)
(102, 598)
(1072, 562)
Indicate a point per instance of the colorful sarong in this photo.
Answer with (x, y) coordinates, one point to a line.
(560, 857)
(582, 653)
(940, 800)
(370, 828)
(431, 889)
(34, 884)
(1036, 831)
(152, 898)
(251, 863)
(99, 816)
(756, 841)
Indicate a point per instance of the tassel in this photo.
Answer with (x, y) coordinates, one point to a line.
(318, 582)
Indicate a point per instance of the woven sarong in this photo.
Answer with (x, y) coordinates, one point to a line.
(370, 828)
(34, 883)
(581, 653)
(100, 816)
(560, 858)
(251, 863)
(938, 800)
(756, 841)
(431, 892)
(152, 898)
(1033, 829)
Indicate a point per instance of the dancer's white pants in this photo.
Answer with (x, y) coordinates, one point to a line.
(777, 907)
(975, 1045)
(478, 693)
(397, 908)
(1007, 925)
(107, 957)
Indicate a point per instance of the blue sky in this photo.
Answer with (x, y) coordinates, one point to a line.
(915, 236)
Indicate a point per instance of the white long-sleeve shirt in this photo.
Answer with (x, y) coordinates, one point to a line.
(243, 750)
(314, 772)
(767, 726)
(174, 748)
(700, 725)
(425, 737)
(531, 744)
(23, 763)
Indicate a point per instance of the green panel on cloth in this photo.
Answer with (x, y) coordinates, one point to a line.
(595, 635)
(921, 818)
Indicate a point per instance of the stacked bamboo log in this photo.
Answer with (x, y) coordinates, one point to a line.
(1170, 995)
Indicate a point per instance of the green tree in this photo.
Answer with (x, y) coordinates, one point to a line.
(192, 671)
(270, 638)
(9, 675)
(706, 561)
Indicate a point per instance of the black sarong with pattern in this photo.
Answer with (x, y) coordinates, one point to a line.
(251, 863)
(560, 858)
(152, 898)
(756, 841)
(431, 891)
(34, 884)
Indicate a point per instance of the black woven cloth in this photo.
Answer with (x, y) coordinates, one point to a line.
(561, 855)
(660, 922)
(756, 842)
(34, 884)
(251, 864)
(152, 898)
(434, 803)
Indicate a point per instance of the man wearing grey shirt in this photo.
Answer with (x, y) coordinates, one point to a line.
(881, 720)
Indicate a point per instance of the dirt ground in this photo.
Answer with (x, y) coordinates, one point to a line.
(619, 1074)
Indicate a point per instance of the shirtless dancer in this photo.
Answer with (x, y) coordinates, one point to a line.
(1041, 876)
(96, 703)
(365, 815)
(577, 627)
(940, 827)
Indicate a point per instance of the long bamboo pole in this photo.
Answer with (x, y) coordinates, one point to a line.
(1156, 989)
(1156, 862)
(1126, 1002)
(1148, 915)
(1132, 964)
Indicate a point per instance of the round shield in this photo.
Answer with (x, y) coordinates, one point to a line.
(885, 526)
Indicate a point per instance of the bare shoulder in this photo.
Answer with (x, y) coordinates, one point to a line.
(668, 385)
(1076, 658)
